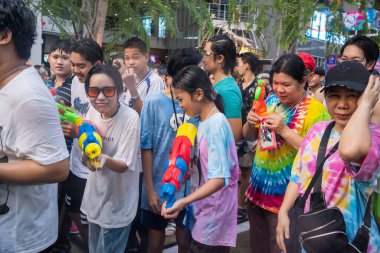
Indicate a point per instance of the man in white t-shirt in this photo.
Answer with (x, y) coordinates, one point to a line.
(83, 56)
(139, 80)
(33, 154)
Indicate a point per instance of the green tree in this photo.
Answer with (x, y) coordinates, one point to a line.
(121, 18)
(288, 20)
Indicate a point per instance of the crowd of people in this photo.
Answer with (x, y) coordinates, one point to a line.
(244, 164)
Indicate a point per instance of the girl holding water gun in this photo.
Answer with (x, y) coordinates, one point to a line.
(111, 194)
(214, 185)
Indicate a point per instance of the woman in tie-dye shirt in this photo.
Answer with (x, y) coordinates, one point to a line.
(350, 174)
(291, 113)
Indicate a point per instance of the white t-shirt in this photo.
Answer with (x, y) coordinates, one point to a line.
(151, 83)
(110, 198)
(29, 129)
(81, 104)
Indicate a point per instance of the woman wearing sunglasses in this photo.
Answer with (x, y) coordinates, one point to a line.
(111, 195)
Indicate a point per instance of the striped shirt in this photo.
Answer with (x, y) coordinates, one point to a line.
(64, 94)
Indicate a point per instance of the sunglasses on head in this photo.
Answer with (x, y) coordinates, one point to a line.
(94, 92)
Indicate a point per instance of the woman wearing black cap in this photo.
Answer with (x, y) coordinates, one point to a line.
(347, 175)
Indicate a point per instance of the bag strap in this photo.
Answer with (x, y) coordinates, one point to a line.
(321, 159)
(367, 214)
(322, 154)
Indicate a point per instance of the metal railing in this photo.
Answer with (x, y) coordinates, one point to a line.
(219, 11)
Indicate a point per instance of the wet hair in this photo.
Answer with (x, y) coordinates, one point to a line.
(253, 61)
(367, 45)
(89, 49)
(181, 58)
(62, 45)
(319, 71)
(135, 42)
(291, 65)
(223, 45)
(108, 70)
(192, 78)
(16, 17)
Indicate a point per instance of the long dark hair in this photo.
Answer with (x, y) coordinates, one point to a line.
(108, 70)
(223, 45)
(192, 78)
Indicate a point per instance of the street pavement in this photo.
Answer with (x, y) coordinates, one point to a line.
(242, 242)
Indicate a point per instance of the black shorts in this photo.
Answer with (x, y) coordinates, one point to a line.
(157, 222)
(197, 247)
(74, 192)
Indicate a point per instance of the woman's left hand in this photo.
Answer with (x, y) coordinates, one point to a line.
(276, 123)
(172, 212)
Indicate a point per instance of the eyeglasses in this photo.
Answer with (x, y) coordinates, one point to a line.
(207, 53)
(93, 92)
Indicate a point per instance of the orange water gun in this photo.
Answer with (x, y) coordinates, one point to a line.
(259, 106)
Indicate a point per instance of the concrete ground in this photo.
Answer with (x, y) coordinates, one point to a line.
(242, 242)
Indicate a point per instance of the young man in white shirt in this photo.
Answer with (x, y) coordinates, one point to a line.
(139, 80)
(83, 56)
(32, 148)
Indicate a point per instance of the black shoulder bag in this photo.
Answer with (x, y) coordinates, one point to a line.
(322, 229)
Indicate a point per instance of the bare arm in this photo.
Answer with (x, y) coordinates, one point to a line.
(138, 105)
(153, 201)
(250, 132)
(31, 172)
(116, 165)
(236, 128)
(147, 158)
(211, 186)
(283, 223)
(291, 137)
(355, 141)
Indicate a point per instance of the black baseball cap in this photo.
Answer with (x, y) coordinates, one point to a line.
(350, 74)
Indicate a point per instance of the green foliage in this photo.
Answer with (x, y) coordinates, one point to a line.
(123, 16)
(290, 19)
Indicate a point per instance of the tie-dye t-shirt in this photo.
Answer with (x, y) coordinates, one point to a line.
(271, 168)
(215, 216)
(344, 185)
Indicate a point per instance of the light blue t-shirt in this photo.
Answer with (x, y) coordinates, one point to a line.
(228, 89)
(158, 131)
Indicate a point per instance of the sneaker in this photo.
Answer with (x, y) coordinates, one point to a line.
(170, 229)
(74, 229)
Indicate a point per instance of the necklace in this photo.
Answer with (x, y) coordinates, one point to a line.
(287, 115)
(209, 113)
